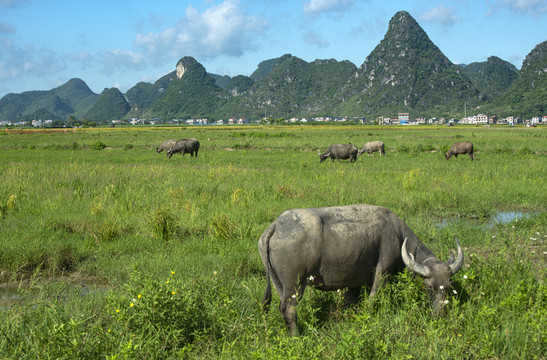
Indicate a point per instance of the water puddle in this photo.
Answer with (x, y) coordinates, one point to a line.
(509, 216)
(500, 218)
(8, 295)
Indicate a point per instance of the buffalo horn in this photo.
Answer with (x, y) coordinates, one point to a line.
(412, 264)
(457, 264)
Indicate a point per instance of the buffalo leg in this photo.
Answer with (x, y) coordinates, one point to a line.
(378, 281)
(288, 306)
(288, 310)
(351, 297)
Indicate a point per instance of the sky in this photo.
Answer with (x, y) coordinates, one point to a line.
(118, 43)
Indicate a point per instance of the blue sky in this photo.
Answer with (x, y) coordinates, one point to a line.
(118, 43)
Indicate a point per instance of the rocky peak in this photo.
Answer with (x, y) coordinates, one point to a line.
(536, 59)
(187, 65)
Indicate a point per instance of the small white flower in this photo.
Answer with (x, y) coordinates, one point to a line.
(338, 290)
(465, 277)
(446, 302)
(214, 272)
(441, 287)
(294, 296)
(493, 236)
(455, 292)
(311, 278)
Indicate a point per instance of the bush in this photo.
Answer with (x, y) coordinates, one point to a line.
(99, 145)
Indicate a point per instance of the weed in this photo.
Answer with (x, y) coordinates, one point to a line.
(7, 205)
(222, 227)
(163, 224)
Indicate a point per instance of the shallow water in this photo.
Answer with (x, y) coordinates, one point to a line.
(12, 293)
(9, 295)
(509, 216)
(500, 218)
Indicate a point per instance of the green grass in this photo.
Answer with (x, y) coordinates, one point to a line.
(91, 219)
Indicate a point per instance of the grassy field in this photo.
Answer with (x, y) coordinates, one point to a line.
(110, 250)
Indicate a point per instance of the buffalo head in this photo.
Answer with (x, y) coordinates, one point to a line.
(323, 157)
(436, 273)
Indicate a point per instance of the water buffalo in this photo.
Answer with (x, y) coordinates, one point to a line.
(371, 147)
(340, 151)
(166, 145)
(460, 148)
(185, 146)
(345, 247)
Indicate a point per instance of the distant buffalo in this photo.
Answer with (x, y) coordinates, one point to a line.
(371, 147)
(460, 148)
(166, 145)
(340, 151)
(185, 146)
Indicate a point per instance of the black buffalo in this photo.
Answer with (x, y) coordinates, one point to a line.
(460, 148)
(185, 146)
(340, 151)
(345, 247)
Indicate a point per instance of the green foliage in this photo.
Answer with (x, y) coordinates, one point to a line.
(110, 105)
(87, 232)
(527, 94)
(493, 77)
(99, 145)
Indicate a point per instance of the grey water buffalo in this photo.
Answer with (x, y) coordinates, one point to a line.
(371, 147)
(166, 145)
(345, 247)
(185, 146)
(340, 151)
(460, 148)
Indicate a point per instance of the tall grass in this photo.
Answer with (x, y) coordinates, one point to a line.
(85, 231)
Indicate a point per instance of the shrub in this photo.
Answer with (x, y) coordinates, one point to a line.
(99, 145)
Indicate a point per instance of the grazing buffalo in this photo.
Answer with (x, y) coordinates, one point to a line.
(166, 145)
(185, 146)
(373, 146)
(340, 151)
(460, 148)
(345, 247)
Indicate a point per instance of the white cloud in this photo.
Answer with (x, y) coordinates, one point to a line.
(316, 7)
(117, 58)
(223, 29)
(311, 37)
(442, 15)
(532, 7)
(27, 62)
